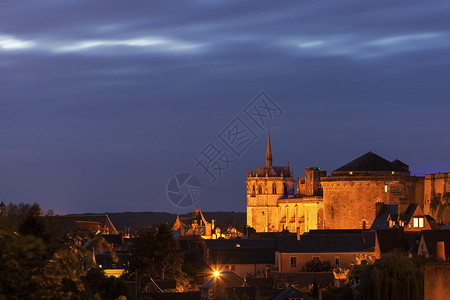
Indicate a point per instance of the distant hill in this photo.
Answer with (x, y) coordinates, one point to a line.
(135, 220)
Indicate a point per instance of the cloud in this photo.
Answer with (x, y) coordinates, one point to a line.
(157, 44)
(108, 99)
(10, 43)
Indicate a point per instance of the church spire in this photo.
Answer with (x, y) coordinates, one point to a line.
(269, 152)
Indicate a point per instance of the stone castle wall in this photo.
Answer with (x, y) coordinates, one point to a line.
(349, 201)
(437, 196)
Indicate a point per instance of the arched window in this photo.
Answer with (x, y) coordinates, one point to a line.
(253, 190)
(285, 188)
(364, 224)
(274, 188)
(259, 189)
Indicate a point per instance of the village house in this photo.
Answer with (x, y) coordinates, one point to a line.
(341, 247)
(245, 258)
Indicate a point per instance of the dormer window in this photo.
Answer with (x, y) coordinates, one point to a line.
(418, 222)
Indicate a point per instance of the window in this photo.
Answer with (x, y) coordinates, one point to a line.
(259, 189)
(253, 189)
(316, 258)
(285, 188)
(364, 224)
(418, 222)
(385, 188)
(274, 188)
(337, 261)
(293, 262)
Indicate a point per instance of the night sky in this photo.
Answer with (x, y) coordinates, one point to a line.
(101, 103)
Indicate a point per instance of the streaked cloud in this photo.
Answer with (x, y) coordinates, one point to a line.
(12, 43)
(159, 44)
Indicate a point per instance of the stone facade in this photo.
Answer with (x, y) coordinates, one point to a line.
(273, 205)
(349, 201)
(437, 197)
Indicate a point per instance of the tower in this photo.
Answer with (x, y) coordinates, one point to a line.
(265, 187)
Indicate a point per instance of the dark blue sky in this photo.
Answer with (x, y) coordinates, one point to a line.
(101, 103)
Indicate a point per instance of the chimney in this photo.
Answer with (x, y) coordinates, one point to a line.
(298, 234)
(378, 208)
(440, 251)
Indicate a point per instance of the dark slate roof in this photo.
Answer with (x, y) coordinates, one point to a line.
(390, 239)
(240, 244)
(260, 282)
(324, 279)
(431, 237)
(372, 162)
(227, 278)
(327, 243)
(401, 165)
(382, 221)
(238, 256)
(273, 171)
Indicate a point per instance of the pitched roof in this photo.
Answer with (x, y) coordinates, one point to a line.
(327, 243)
(389, 211)
(431, 237)
(240, 244)
(272, 171)
(228, 278)
(373, 162)
(244, 256)
(68, 223)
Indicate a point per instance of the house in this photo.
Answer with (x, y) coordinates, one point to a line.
(218, 284)
(429, 240)
(408, 216)
(340, 247)
(246, 258)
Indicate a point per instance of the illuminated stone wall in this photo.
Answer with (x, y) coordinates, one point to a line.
(349, 201)
(437, 196)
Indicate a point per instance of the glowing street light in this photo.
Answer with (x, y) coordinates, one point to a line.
(216, 273)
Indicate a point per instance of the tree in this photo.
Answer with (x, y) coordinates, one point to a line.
(393, 277)
(315, 265)
(32, 268)
(155, 253)
(107, 288)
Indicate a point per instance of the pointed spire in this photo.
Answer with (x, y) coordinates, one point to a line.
(269, 152)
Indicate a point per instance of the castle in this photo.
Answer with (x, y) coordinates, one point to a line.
(347, 199)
